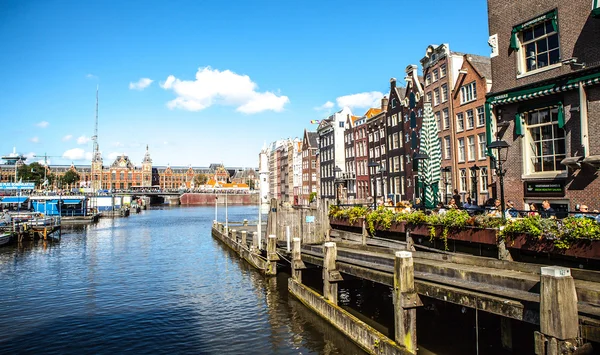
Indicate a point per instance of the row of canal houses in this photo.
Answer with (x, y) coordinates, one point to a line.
(538, 91)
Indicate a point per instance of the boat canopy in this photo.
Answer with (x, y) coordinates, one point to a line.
(15, 199)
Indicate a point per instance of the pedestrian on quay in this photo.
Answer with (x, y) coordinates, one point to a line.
(547, 211)
(533, 211)
(511, 212)
(456, 198)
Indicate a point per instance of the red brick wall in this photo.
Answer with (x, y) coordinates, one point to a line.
(209, 199)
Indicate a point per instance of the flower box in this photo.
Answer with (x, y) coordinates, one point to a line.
(583, 248)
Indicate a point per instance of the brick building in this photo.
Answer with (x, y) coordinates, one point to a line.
(395, 142)
(310, 166)
(331, 151)
(545, 99)
(348, 178)
(470, 158)
(377, 154)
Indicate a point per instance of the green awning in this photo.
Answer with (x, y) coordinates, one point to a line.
(552, 15)
(596, 12)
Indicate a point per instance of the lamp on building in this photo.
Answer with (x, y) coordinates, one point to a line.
(446, 171)
(501, 148)
(336, 182)
(474, 169)
(372, 165)
(417, 157)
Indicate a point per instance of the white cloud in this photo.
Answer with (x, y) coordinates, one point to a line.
(326, 106)
(67, 138)
(29, 156)
(117, 144)
(43, 124)
(140, 84)
(83, 140)
(34, 139)
(91, 76)
(212, 86)
(114, 155)
(74, 154)
(361, 100)
(88, 155)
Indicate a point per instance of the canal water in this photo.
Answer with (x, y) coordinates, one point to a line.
(158, 283)
(153, 283)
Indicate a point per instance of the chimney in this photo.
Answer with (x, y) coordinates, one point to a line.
(384, 102)
(392, 83)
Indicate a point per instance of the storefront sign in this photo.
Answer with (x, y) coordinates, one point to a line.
(310, 219)
(17, 186)
(544, 188)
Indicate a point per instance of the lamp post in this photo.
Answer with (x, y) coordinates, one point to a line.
(416, 158)
(500, 158)
(382, 171)
(372, 165)
(474, 169)
(336, 182)
(446, 171)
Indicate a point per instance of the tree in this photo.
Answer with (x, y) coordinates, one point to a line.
(33, 172)
(250, 183)
(70, 177)
(200, 179)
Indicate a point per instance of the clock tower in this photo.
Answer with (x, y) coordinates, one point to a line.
(147, 169)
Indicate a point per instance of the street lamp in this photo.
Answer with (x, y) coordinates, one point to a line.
(446, 171)
(336, 182)
(416, 158)
(382, 171)
(372, 165)
(474, 169)
(500, 158)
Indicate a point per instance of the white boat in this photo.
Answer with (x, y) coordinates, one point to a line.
(4, 238)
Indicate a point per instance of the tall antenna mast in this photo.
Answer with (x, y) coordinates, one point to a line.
(95, 137)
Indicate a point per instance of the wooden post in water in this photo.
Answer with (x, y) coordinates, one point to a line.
(364, 232)
(297, 263)
(559, 321)
(410, 243)
(405, 302)
(255, 244)
(244, 239)
(272, 255)
(331, 276)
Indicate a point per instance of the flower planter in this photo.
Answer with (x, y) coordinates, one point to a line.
(469, 234)
(345, 222)
(584, 248)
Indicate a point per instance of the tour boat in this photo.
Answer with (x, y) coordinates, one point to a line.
(5, 238)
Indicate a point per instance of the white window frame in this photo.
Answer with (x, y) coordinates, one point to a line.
(527, 144)
(460, 122)
(471, 148)
(444, 93)
(480, 115)
(446, 118)
(436, 97)
(482, 149)
(522, 55)
(468, 93)
(470, 119)
(447, 147)
(461, 150)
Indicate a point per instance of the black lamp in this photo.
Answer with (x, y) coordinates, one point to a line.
(501, 148)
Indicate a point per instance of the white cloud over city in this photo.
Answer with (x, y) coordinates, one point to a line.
(43, 124)
(361, 100)
(215, 87)
(67, 138)
(83, 140)
(140, 84)
(77, 154)
(326, 106)
(34, 140)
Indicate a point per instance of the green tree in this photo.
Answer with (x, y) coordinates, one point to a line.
(200, 179)
(250, 183)
(33, 172)
(70, 177)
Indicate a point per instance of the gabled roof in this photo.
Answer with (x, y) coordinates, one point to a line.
(372, 112)
(312, 139)
(482, 64)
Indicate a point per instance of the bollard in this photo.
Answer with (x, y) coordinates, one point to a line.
(244, 239)
(254, 247)
(364, 232)
(331, 276)
(245, 223)
(272, 255)
(559, 321)
(406, 300)
(297, 263)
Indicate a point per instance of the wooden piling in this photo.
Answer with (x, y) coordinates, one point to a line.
(331, 276)
(297, 263)
(559, 321)
(255, 244)
(272, 255)
(405, 302)
(244, 239)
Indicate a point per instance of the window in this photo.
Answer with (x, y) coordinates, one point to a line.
(444, 93)
(471, 143)
(468, 93)
(427, 79)
(438, 120)
(460, 122)
(394, 119)
(442, 70)
(483, 179)
(480, 117)
(447, 147)
(370, 137)
(470, 119)
(402, 163)
(540, 46)
(395, 141)
(394, 102)
(446, 118)
(545, 141)
(381, 133)
(376, 152)
(435, 75)
(436, 97)
(461, 149)
(463, 180)
(482, 147)
(428, 97)
(396, 164)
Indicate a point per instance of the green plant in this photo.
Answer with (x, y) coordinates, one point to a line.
(574, 229)
(381, 217)
(312, 197)
(356, 212)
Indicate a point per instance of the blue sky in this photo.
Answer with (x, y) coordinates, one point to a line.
(204, 81)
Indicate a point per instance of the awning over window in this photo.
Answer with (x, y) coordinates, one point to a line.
(552, 15)
(15, 199)
(71, 202)
(527, 94)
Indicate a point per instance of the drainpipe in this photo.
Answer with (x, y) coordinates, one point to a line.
(583, 117)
